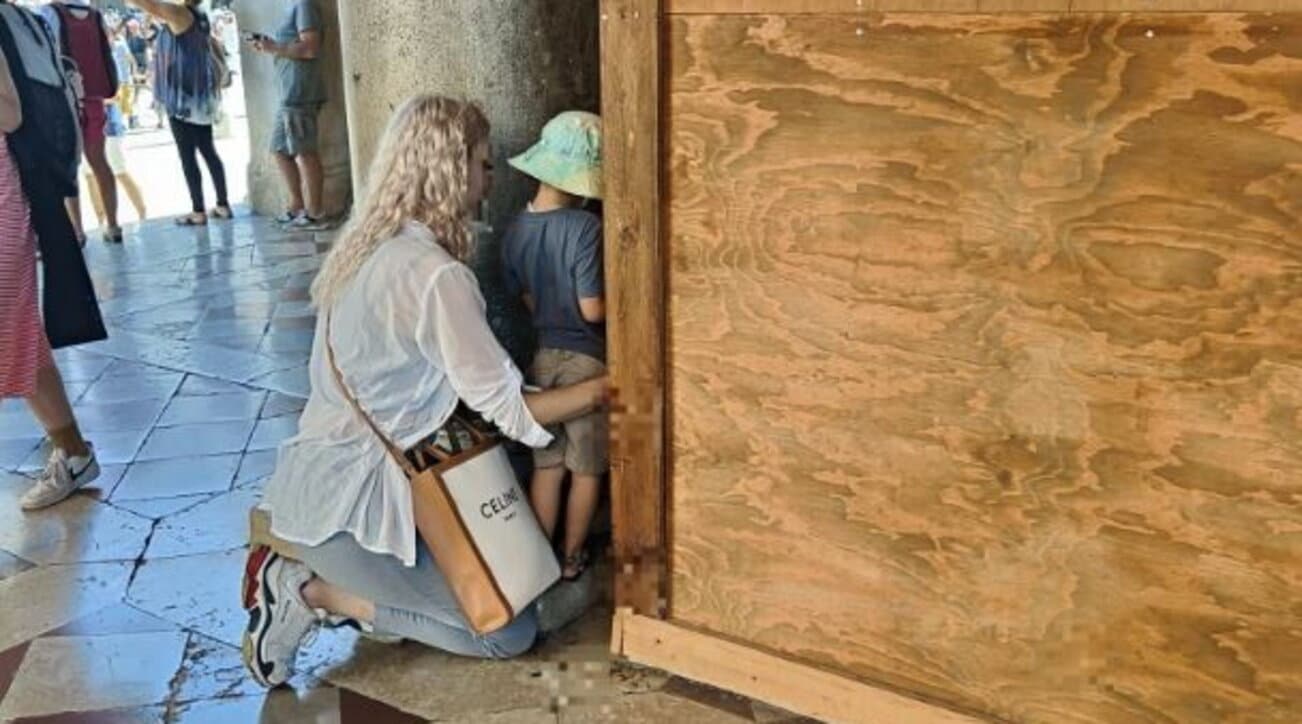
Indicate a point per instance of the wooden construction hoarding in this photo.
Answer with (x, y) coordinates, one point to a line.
(960, 351)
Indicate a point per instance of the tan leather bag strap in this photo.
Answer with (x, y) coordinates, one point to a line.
(393, 449)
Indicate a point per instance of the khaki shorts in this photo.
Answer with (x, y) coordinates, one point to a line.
(296, 131)
(580, 444)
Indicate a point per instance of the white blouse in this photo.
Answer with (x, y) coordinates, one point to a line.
(411, 337)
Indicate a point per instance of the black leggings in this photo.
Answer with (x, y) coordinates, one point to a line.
(190, 138)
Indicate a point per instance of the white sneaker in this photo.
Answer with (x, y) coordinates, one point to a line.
(62, 477)
(279, 620)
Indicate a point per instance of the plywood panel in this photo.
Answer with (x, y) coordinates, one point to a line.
(987, 355)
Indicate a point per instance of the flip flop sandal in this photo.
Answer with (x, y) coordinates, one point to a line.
(578, 562)
(223, 212)
(192, 220)
(113, 235)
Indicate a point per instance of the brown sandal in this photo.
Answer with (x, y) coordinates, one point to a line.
(577, 563)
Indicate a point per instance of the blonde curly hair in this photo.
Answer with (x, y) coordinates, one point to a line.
(420, 173)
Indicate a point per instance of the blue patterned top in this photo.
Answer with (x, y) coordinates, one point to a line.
(185, 79)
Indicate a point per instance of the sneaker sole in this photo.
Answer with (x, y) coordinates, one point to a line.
(259, 593)
(88, 475)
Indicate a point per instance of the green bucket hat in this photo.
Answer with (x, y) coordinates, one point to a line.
(568, 156)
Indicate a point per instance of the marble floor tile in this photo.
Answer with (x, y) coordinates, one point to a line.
(91, 673)
(45, 598)
(84, 367)
(14, 453)
(279, 404)
(398, 675)
(140, 715)
(283, 706)
(189, 441)
(226, 407)
(271, 432)
(12, 565)
(177, 477)
(256, 466)
(115, 618)
(197, 385)
(109, 417)
(112, 448)
(149, 386)
(219, 524)
(156, 508)
(214, 670)
(200, 593)
(293, 381)
(78, 530)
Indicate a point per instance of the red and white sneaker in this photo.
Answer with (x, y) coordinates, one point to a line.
(280, 621)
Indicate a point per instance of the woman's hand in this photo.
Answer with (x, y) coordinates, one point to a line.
(566, 403)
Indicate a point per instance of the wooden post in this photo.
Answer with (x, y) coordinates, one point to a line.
(635, 292)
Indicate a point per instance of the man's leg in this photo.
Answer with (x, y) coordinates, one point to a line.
(309, 165)
(302, 136)
(293, 182)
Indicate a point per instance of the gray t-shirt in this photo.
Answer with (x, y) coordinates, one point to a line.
(555, 257)
(301, 81)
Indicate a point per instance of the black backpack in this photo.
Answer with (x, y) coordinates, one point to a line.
(49, 140)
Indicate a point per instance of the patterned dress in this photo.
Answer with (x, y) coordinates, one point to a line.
(185, 79)
(24, 349)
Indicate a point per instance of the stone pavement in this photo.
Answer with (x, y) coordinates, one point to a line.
(122, 604)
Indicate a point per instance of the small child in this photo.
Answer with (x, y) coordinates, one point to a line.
(552, 259)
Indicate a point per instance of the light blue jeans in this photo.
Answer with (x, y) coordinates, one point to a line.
(414, 603)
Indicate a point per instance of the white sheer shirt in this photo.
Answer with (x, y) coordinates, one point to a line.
(411, 336)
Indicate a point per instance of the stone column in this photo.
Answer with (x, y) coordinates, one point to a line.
(522, 60)
(266, 189)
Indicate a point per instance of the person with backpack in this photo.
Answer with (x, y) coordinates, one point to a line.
(81, 34)
(189, 74)
(38, 152)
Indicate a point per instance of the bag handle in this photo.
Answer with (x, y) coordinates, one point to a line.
(394, 452)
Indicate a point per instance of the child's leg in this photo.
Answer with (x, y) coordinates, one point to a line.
(545, 495)
(587, 459)
(585, 492)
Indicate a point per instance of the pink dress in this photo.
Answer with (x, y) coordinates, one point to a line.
(24, 349)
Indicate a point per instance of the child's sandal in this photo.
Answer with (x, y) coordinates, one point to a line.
(575, 566)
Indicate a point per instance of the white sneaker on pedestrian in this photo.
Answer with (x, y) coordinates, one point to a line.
(280, 621)
(313, 223)
(289, 217)
(63, 476)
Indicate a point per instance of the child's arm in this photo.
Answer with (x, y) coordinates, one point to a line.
(588, 276)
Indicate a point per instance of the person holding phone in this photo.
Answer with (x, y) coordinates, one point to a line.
(296, 48)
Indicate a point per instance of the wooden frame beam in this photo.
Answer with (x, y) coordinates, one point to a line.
(635, 294)
(802, 7)
(795, 686)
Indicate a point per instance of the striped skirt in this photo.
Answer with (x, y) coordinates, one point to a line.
(24, 349)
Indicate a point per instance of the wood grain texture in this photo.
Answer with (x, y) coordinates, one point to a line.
(987, 355)
(800, 7)
(779, 681)
(635, 294)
